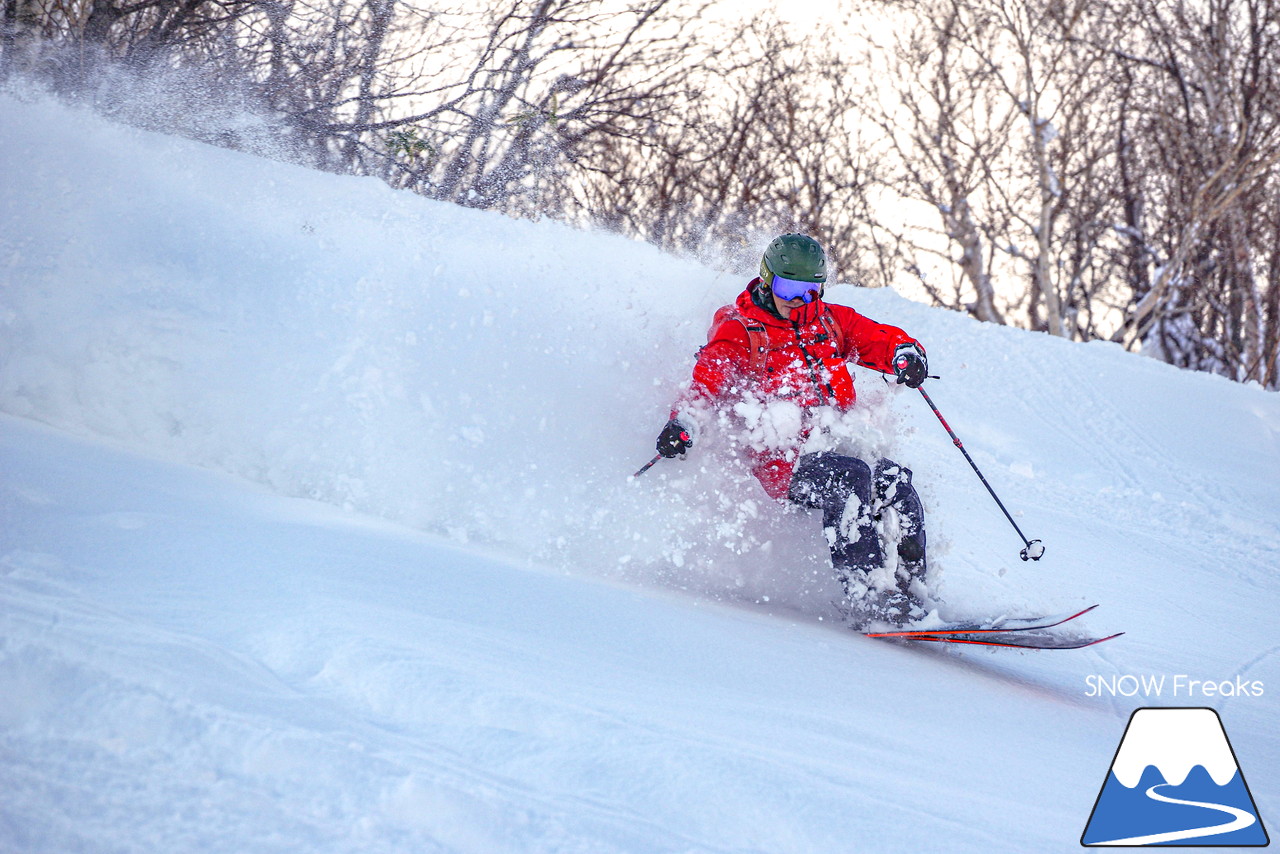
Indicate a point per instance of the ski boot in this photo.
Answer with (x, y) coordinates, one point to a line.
(866, 607)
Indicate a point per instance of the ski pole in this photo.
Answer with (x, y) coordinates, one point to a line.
(644, 468)
(1034, 548)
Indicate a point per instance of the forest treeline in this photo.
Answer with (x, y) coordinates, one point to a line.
(1093, 169)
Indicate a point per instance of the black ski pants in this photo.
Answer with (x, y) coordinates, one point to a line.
(851, 495)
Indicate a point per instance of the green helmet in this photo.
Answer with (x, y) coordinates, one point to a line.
(794, 256)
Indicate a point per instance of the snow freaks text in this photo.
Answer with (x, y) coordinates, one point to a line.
(1177, 686)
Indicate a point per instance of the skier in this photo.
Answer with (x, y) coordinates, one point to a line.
(780, 341)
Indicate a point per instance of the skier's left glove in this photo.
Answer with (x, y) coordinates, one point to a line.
(910, 365)
(674, 439)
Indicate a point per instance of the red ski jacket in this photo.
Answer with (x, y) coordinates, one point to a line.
(751, 350)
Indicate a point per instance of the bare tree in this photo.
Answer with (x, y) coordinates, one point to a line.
(1089, 168)
(515, 124)
(989, 112)
(762, 142)
(1104, 169)
(1201, 157)
(945, 131)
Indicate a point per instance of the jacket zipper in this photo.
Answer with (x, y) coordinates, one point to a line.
(824, 389)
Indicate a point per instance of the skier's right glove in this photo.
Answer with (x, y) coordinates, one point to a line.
(674, 439)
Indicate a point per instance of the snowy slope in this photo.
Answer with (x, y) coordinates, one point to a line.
(429, 611)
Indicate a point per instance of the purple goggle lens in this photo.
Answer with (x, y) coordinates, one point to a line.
(789, 289)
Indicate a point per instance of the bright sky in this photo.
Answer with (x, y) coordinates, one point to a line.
(792, 8)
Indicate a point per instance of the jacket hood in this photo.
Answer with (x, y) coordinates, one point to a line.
(748, 306)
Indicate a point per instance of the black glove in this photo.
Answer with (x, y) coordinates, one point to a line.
(674, 439)
(909, 365)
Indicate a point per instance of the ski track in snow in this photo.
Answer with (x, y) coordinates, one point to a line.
(373, 734)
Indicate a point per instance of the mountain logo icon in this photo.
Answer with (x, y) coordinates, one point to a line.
(1175, 781)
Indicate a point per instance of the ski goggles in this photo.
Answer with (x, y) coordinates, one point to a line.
(789, 289)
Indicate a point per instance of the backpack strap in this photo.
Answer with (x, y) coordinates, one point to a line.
(833, 329)
(757, 340)
(758, 336)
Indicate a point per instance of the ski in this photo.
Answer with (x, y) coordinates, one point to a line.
(1019, 641)
(1016, 633)
(1022, 624)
